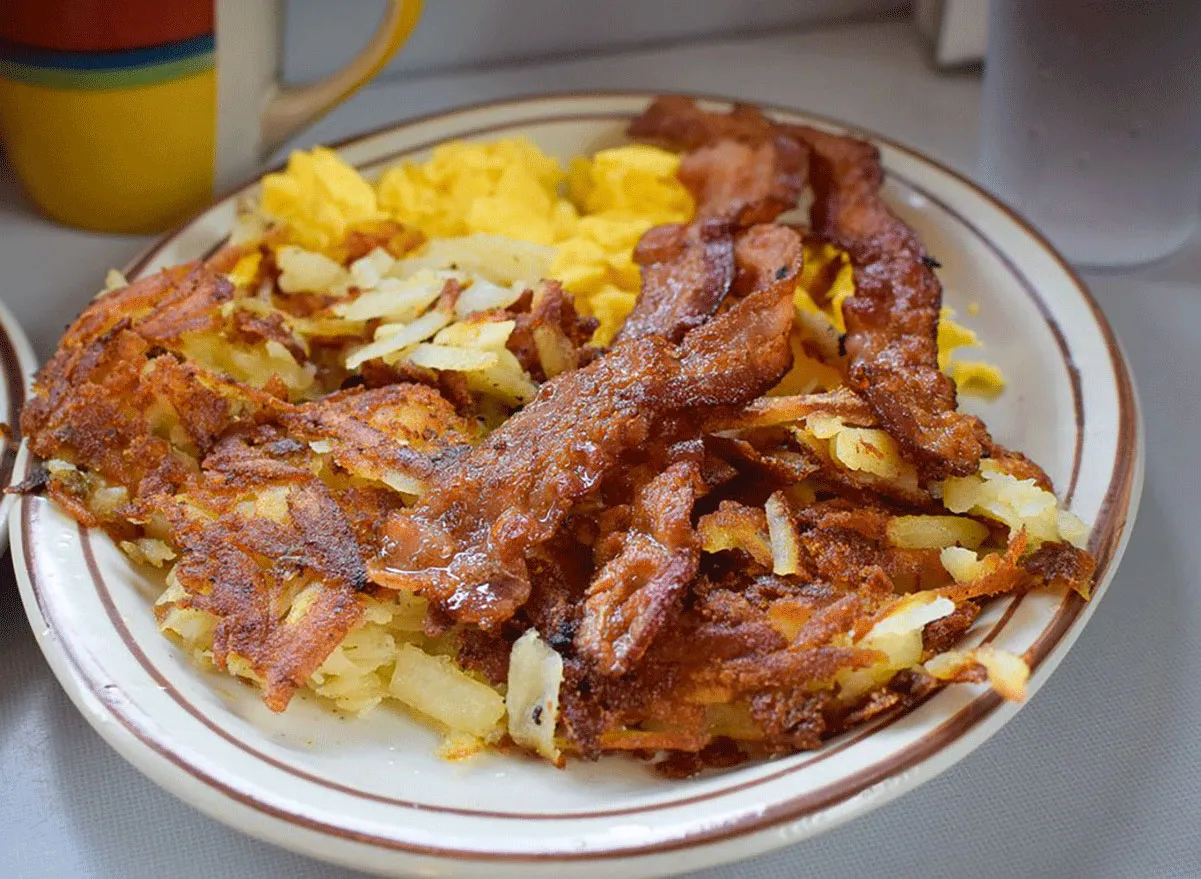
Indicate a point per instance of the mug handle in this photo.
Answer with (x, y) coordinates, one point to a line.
(291, 109)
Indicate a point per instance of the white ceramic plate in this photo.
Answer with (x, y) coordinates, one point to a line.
(370, 793)
(17, 366)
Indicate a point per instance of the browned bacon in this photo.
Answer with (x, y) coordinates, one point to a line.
(637, 591)
(464, 544)
(737, 169)
(892, 320)
(686, 273)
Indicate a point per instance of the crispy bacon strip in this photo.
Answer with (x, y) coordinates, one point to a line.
(742, 173)
(634, 594)
(892, 321)
(743, 183)
(686, 273)
(764, 255)
(464, 544)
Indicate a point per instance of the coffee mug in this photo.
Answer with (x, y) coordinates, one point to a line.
(127, 115)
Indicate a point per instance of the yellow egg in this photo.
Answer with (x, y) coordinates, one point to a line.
(972, 377)
(507, 187)
(511, 188)
(318, 196)
(582, 265)
(977, 378)
(610, 305)
(632, 181)
(815, 272)
(246, 269)
(952, 335)
(619, 193)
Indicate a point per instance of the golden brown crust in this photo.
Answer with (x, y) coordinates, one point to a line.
(123, 406)
(1062, 566)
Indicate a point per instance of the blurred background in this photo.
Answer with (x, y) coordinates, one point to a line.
(454, 34)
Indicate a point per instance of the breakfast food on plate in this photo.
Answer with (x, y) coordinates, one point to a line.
(617, 459)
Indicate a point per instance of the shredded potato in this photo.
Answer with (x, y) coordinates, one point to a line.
(395, 298)
(782, 532)
(436, 688)
(532, 699)
(393, 338)
(935, 532)
(1018, 503)
(446, 357)
(1006, 672)
(898, 639)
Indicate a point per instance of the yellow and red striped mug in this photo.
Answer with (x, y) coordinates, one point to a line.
(126, 115)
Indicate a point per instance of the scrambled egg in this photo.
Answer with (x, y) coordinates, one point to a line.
(320, 197)
(593, 215)
(819, 264)
(507, 187)
(511, 188)
(620, 192)
(970, 376)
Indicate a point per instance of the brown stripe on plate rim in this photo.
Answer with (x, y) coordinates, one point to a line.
(1120, 489)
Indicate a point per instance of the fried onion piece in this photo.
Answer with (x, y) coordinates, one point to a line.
(464, 544)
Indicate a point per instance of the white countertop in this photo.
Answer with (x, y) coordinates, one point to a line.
(1100, 775)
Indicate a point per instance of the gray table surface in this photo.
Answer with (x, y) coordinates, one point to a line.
(1100, 775)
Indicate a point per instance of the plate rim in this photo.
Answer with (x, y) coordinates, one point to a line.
(917, 770)
(18, 364)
